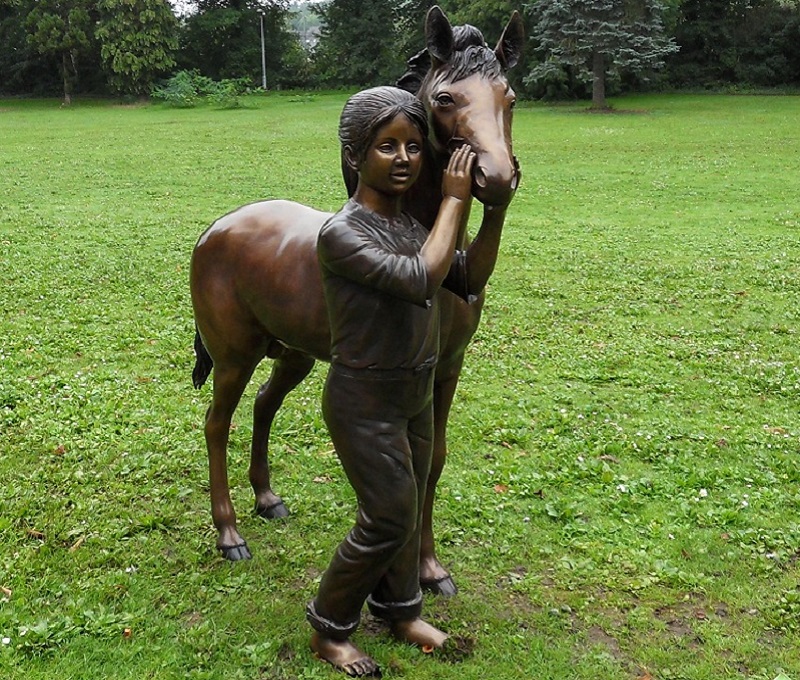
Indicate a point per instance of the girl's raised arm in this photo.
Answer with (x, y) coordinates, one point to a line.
(437, 252)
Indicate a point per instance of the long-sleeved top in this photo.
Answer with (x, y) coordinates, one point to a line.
(375, 284)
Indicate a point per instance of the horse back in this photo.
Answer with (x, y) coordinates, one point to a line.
(255, 280)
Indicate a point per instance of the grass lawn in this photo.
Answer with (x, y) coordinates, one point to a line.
(622, 498)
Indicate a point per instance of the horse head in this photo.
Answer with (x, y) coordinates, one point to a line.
(463, 85)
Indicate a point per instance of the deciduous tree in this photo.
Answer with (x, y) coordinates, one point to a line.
(138, 41)
(756, 42)
(410, 25)
(358, 42)
(62, 29)
(222, 40)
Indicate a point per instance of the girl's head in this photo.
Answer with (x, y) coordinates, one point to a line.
(367, 111)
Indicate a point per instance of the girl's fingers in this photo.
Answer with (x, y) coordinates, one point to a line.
(453, 162)
(462, 159)
(465, 162)
(470, 160)
(458, 177)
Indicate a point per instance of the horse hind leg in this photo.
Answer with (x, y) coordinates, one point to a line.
(288, 371)
(229, 384)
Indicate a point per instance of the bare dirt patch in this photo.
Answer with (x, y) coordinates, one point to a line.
(595, 635)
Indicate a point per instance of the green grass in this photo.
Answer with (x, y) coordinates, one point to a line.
(622, 498)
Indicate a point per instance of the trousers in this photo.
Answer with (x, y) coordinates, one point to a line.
(381, 425)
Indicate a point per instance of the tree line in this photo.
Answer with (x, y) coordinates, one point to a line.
(576, 48)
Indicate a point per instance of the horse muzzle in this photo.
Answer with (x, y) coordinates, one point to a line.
(495, 183)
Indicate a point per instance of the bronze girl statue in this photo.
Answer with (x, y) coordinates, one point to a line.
(381, 270)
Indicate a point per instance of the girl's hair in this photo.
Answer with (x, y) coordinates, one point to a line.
(367, 111)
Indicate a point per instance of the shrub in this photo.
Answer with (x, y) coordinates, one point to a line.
(180, 90)
(187, 88)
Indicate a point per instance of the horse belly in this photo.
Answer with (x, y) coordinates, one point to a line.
(284, 292)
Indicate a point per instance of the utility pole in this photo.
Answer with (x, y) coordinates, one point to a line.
(263, 53)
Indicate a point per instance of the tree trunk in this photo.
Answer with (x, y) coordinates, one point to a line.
(599, 81)
(67, 83)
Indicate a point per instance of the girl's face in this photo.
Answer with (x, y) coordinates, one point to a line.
(394, 158)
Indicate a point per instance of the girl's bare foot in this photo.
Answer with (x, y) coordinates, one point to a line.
(344, 656)
(420, 633)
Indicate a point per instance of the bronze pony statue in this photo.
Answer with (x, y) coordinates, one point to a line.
(256, 286)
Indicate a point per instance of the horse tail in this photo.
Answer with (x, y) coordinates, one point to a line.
(203, 364)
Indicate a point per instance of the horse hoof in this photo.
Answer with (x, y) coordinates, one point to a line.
(275, 511)
(444, 586)
(236, 553)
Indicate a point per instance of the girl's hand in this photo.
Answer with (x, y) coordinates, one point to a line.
(457, 180)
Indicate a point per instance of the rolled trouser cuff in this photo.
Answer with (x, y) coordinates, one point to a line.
(396, 611)
(327, 627)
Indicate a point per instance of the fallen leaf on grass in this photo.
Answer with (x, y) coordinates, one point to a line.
(6, 591)
(775, 430)
(500, 488)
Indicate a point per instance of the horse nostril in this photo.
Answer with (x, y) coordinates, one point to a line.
(480, 177)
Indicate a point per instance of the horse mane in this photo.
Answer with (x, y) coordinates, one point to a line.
(470, 55)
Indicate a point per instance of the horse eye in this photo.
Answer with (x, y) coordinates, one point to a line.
(444, 99)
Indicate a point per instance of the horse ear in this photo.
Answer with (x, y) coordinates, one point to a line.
(438, 35)
(509, 47)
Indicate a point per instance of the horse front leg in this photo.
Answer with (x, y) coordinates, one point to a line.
(288, 371)
(433, 577)
(229, 384)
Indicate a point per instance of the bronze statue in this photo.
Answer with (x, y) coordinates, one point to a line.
(257, 291)
(381, 273)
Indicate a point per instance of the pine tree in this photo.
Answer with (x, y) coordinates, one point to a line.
(596, 37)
